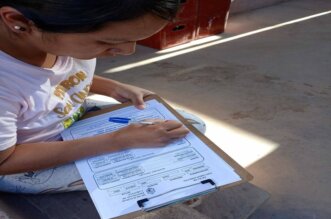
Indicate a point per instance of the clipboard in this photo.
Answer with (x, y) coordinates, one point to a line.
(204, 187)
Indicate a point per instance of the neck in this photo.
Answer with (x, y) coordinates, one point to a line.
(20, 48)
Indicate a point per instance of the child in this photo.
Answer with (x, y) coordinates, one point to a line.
(47, 60)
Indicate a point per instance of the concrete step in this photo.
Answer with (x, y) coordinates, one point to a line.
(237, 202)
(180, 211)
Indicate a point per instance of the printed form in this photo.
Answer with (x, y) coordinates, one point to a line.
(164, 175)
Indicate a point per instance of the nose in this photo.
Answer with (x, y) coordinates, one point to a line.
(127, 48)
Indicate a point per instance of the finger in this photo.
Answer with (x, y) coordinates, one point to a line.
(171, 125)
(123, 100)
(138, 101)
(119, 98)
(178, 133)
(147, 93)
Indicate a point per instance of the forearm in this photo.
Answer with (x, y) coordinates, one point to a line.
(103, 85)
(37, 156)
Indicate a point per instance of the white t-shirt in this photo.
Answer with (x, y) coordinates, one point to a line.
(37, 104)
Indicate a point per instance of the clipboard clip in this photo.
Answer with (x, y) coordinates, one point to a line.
(142, 203)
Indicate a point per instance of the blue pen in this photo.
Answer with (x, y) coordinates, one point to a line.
(122, 120)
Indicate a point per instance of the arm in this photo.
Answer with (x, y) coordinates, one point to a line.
(36, 156)
(30, 157)
(103, 85)
(119, 91)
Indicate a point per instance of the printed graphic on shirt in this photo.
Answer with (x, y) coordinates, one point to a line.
(72, 98)
(75, 117)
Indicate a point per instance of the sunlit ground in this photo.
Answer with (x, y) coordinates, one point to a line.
(246, 148)
(243, 147)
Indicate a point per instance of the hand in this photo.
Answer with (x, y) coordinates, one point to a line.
(125, 92)
(161, 133)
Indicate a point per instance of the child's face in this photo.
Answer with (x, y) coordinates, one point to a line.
(118, 38)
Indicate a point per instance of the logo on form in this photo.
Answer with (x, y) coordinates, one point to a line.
(150, 191)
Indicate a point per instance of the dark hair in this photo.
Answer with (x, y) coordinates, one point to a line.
(87, 15)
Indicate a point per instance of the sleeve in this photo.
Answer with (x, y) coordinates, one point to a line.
(9, 110)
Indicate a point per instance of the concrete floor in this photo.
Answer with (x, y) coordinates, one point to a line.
(239, 6)
(265, 96)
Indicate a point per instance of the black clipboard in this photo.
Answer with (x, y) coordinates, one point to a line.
(208, 184)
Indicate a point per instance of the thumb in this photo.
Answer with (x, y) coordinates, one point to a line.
(138, 101)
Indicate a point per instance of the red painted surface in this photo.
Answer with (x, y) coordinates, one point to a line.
(196, 19)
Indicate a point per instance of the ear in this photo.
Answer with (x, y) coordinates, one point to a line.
(15, 21)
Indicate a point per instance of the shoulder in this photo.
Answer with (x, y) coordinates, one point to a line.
(11, 67)
(13, 81)
(87, 64)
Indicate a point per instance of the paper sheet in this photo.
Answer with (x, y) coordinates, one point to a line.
(118, 180)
